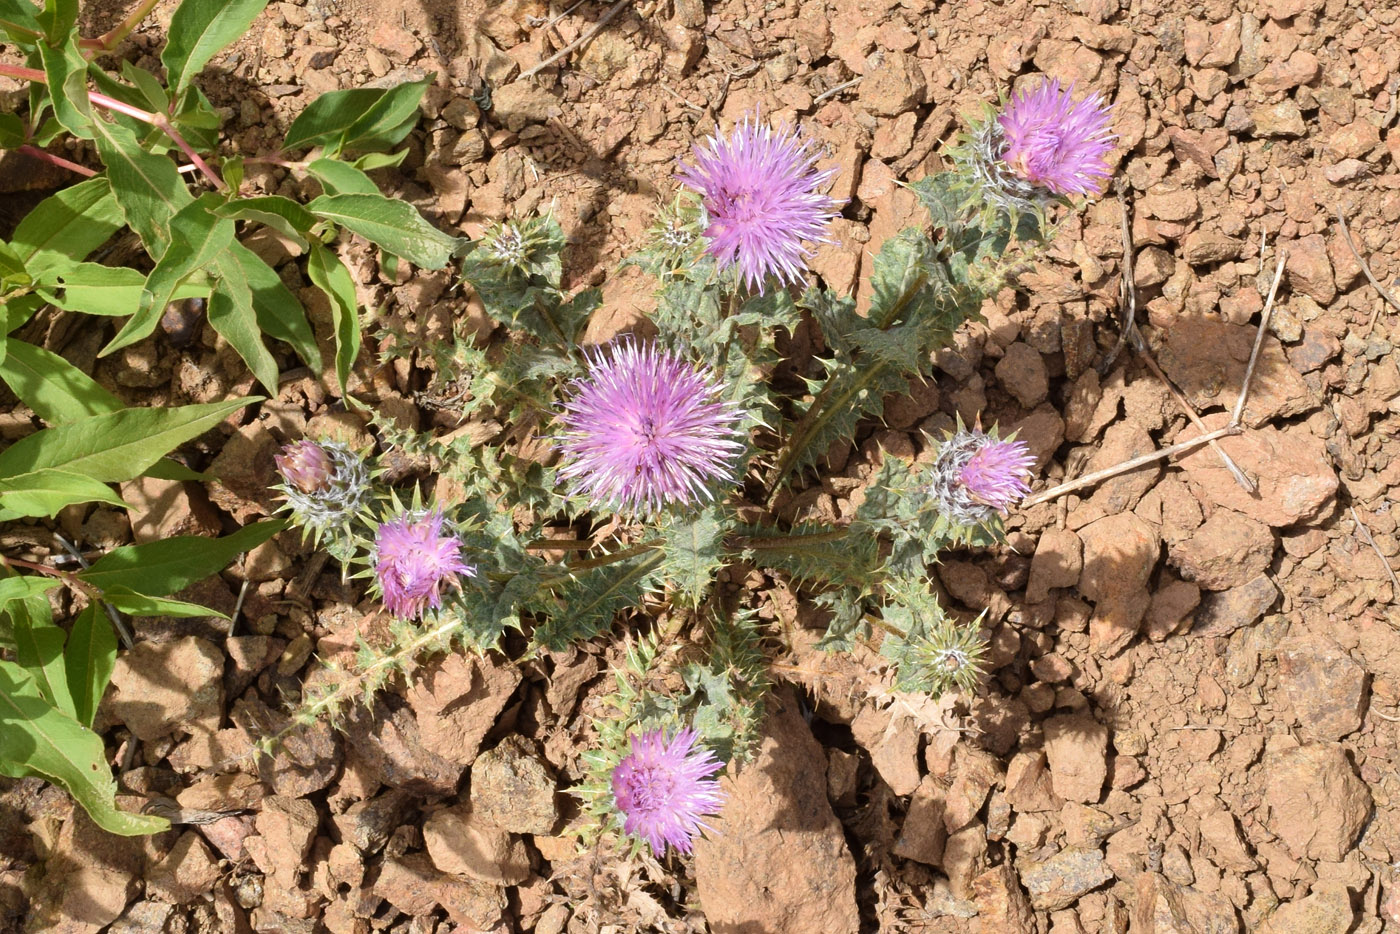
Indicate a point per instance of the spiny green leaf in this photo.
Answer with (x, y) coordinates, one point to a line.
(694, 550)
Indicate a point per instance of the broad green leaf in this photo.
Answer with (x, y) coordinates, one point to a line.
(68, 225)
(57, 19)
(281, 214)
(157, 101)
(380, 160)
(395, 226)
(11, 132)
(148, 188)
(39, 649)
(36, 738)
(29, 585)
(19, 20)
(280, 314)
(329, 275)
(199, 29)
(231, 314)
(54, 388)
(13, 275)
(88, 659)
(197, 237)
(19, 310)
(45, 492)
(137, 604)
(326, 119)
(115, 446)
(341, 178)
(65, 72)
(391, 118)
(161, 568)
(110, 291)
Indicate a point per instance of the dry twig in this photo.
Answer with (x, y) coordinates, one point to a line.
(832, 92)
(1365, 267)
(1370, 540)
(582, 40)
(1259, 340)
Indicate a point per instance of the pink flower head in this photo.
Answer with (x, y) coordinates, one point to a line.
(764, 197)
(664, 790)
(305, 465)
(1055, 143)
(414, 559)
(644, 429)
(977, 475)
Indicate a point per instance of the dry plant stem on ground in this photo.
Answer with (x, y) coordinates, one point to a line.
(1360, 260)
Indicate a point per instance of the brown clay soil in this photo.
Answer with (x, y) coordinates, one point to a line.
(1192, 711)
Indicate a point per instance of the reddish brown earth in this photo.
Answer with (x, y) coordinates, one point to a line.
(1191, 720)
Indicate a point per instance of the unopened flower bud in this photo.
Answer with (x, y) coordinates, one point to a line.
(305, 465)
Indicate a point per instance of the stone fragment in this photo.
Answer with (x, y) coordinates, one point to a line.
(245, 474)
(893, 86)
(965, 858)
(1289, 464)
(286, 828)
(522, 103)
(187, 872)
(923, 834)
(1123, 441)
(1316, 803)
(1207, 359)
(1029, 787)
(1285, 74)
(166, 508)
(1021, 372)
(164, 688)
(1058, 561)
(367, 824)
(894, 747)
(1165, 907)
(977, 772)
(1279, 120)
(1325, 685)
(1001, 905)
(463, 845)
(1222, 612)
(1230, 549)
(1352, 141)
(1077, 748)
(456, 701)
(746, 873)
(1309, 269)
(1120, 552)
(1171, 205)
(415, 887)
(512, 788)
(1202, 247)
(1059, 880)
(1218, 828)
(1327, 911)
(386, 736)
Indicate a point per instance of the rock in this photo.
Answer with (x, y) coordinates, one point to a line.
(414, 886)
(1310, 271)
(1001, 905)
(1153, 266)
(1021, 372)
(838, 261)
(1201, 247)
(1281, 119)
(1285, 74)
(1218, 828)
(1225, 611)
(392, 39)
(1316, 804)
(512, 788)
(1348, 170)
(1058, 561)
(1327, 911)
(1289, 464)
(1029, 787)
(143, 918)
(1326, 686)
(1059, 880)
(1230, 549)
(522, 103)
(367, 824)
(1120, 552)
(463, 845)
(1352, 141)
(1164, 907)
(1077, 748)
(162, 689)
(965, 858)
(456, 701)
(1170, 607)
(894, 747)
(187, 872)
(1123, 441)
(776, 806)
(385, 735)
(245, 474)
(1207, 359)
(1171, 206)
(977, 773)
(894, 85)
(166, 508)
(923, 834)
(286, 828)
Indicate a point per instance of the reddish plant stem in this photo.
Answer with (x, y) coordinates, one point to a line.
(159, 121)
(36, 153)
(109, 40)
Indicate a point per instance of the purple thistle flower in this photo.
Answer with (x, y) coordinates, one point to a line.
(763, 194)
(644, 428)
(1056, 143)
(663, 789)
(977, 476)
(413, 560)
(305, 465)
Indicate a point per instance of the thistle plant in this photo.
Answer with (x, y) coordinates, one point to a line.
(661, 461)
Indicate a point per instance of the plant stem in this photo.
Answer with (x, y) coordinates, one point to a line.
(159, 121)
(788, 542)
(603, 560)
(109, 40)
(34, 152)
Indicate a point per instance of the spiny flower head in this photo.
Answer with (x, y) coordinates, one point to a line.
(1056, 143)
(978, 476)
(951, 656)
(764, 197)
(414, 559)
(644, 429)
(664, 789)
(327, 484)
